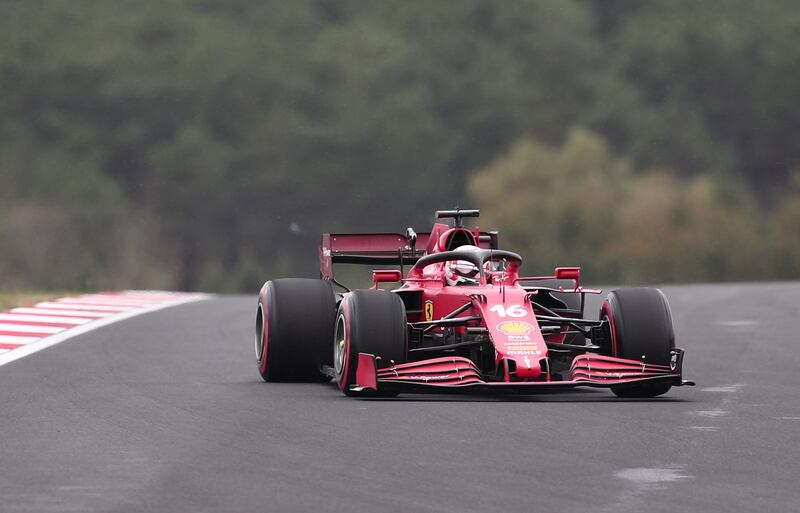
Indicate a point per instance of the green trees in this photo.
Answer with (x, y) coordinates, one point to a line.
(578, 204)
(553, 204)
(198, 144)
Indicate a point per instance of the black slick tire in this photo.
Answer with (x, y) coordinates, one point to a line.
(368, 321)
(294, 320)
(640, 329)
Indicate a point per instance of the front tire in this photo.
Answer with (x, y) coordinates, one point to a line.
(368, 321)
(294, 319)
(640, 329)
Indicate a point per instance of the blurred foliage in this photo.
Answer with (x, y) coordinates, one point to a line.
(579, 205)
(196, 144)
(785, 240)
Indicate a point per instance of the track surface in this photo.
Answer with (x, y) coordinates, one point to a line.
(166, 412)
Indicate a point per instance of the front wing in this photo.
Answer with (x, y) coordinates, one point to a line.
(454, 374)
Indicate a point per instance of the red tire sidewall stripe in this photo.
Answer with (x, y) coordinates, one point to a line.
(610, 316)
(343, 382)
(265, 337)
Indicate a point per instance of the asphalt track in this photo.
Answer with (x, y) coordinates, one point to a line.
(166, 413)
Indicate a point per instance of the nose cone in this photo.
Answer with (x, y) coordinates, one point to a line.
(528, 366)
(515, 333)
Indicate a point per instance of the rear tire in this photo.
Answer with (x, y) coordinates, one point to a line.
(641, 330)
(373, 322)
(294, 321)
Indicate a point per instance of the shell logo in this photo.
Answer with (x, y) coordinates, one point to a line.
(515, 327)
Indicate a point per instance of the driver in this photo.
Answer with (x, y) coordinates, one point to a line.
(461, 272)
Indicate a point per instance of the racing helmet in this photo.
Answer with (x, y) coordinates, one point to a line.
(461, 272)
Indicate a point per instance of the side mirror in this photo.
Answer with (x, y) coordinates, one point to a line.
(569, 273)
(386, 276)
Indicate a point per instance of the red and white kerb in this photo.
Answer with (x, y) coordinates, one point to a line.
(25, 330)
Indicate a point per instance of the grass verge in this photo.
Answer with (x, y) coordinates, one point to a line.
(10, 299)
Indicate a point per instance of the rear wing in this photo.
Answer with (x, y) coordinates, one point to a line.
(380, 248)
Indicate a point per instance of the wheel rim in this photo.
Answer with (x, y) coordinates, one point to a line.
(260, 333)
(340, 346)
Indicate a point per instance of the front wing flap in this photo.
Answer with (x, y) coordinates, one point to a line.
(460, 374)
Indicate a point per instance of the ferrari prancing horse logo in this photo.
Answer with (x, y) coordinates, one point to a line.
(429, 310)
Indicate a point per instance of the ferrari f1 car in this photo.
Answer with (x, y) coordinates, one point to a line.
(461, 319)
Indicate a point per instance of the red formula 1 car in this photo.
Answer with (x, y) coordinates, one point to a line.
(462, 319)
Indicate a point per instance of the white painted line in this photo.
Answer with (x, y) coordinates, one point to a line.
(727, 389)
(715, 413)
(43, 318)
(654, 475)
(8, 339)
(62, 313)
(57, 306)
(739, 324)
(44, 343)
(4, 351)
(26, 328)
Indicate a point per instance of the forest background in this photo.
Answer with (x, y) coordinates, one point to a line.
(205, 145)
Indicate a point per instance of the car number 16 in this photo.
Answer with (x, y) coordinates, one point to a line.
(511, 311)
